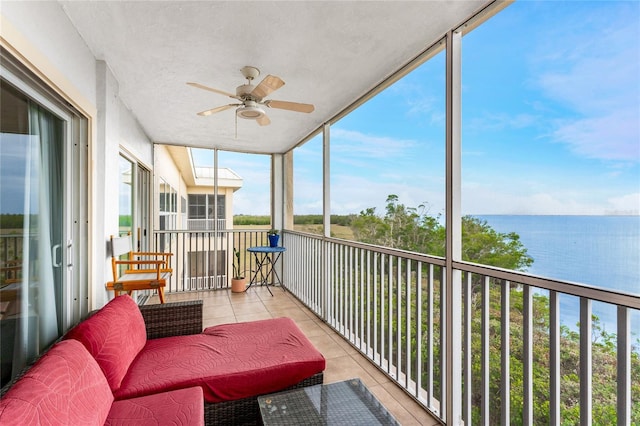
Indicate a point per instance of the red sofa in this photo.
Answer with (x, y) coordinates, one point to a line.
(67, 387)
(152, 350)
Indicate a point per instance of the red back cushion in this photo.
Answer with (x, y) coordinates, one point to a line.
(114, 335)
(64, 387)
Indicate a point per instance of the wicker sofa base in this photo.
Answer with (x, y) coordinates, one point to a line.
(246, 411)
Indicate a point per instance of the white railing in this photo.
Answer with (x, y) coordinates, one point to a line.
(385, 301)
(203, 260)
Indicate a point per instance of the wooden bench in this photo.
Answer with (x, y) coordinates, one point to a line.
(144, 270)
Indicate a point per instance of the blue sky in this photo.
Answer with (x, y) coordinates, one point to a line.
(551, 124)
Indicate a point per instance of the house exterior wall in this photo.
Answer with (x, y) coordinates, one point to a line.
(41, 36)
(165, 169)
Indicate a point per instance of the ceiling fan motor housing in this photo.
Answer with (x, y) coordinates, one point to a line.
(250, 111)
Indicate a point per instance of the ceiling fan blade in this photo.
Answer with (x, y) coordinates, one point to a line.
(268, 85)
(217, 109)
(264, 120)
(211, 89)
(291, 106)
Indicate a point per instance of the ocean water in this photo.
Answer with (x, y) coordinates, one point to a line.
(600, 251)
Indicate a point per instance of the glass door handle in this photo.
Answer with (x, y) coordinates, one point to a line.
(55, 255)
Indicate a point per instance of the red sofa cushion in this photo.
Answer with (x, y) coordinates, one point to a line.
(64, 387)
(229, 362)
(114, 335)
(179, 407)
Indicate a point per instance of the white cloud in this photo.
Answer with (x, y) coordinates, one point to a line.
(625, 204)
(615, 136)
(359, 144)
(353, 194)
(482, 199)
(502, 121)
(596, 75)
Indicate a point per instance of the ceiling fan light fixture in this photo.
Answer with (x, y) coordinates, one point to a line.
(250, 111)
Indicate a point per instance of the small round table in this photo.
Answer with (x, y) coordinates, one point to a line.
(266, 256)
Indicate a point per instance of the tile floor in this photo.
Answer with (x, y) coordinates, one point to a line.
(343, 361)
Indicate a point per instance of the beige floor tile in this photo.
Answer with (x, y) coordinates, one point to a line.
(254, 317)
(373, 371)
(217, 311)
(343, 368)
(348, 348)
(241, 298)
(310, 328)
(210, 322)
(280, 303)
(327, 346)
(214, 301)
(296, 314)
(249, 308)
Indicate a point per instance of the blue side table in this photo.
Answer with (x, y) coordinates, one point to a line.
(268, 257)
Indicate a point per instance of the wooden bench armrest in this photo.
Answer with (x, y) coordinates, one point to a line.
(151, 253)
(140, 262)
(145, 271)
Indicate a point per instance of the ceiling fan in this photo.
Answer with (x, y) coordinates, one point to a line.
(252, 98)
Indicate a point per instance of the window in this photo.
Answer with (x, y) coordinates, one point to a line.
(201, 207)
(168, 198)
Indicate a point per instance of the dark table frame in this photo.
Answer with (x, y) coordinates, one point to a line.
(266, 258)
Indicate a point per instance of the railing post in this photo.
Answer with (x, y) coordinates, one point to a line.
(554, 358)
(585, 361)
(527, 356)
(505, 353)
(624, 367)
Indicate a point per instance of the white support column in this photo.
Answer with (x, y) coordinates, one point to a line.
(288, 190)
(326, 179)
(277, 191)
(452, 339)
(326, 217)
(277, 203)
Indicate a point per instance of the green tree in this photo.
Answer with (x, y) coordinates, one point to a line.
(414, 229)
(482, 244)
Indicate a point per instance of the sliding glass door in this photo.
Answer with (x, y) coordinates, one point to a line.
(40, 295)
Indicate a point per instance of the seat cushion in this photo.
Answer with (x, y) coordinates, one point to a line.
(65, 387)
(114, 335)
(229, 362)
(179, 407)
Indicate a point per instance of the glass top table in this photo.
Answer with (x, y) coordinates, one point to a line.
(342, 403)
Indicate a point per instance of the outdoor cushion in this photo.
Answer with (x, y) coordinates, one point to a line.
(229, 362)
(64, 387)
(114, 335)
(180, 407)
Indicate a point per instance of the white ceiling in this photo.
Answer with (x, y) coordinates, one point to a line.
(329, 53)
